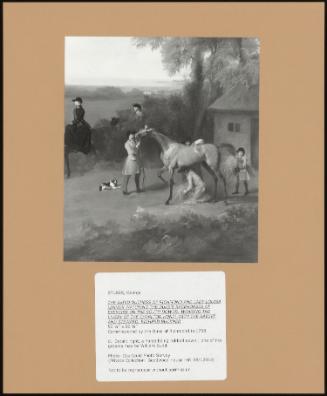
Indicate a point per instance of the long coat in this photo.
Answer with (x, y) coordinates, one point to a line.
(78, 114)
(134, 123)
(132, 162)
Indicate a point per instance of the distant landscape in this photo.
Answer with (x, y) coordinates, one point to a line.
(101, 108)
(104, 102)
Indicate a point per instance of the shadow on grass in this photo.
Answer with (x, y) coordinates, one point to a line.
(156, 186)
(242, 198)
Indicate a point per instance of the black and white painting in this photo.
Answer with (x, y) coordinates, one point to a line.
(161, 149)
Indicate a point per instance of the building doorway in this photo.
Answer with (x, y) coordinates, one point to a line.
(255, 142)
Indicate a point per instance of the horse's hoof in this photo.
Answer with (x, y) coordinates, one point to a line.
(167, 203)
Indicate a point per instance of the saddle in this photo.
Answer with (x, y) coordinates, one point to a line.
(198, 147)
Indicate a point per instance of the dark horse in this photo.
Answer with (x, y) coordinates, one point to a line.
(77, 139)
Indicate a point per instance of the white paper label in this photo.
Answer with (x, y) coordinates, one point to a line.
(158, 326)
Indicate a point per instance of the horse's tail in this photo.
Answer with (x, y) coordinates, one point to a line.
(227, 148)
(226, 159)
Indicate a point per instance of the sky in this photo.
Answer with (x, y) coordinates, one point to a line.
(112, 61)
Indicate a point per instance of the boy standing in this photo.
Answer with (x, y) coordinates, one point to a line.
(241, 171)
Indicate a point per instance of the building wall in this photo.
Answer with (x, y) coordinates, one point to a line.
(237, 139)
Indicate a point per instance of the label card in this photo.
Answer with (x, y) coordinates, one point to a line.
(160, 326)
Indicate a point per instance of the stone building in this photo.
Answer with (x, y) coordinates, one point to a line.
(236, 120)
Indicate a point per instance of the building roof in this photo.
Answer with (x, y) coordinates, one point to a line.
(238, 98)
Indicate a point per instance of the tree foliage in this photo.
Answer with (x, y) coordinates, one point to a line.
(167, 114)
(215, 65)
(225, 60)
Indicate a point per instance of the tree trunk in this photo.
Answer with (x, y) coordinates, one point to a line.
(199, 120)
(198, 105)
(240, 51)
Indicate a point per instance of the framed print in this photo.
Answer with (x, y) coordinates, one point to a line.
(115, 95)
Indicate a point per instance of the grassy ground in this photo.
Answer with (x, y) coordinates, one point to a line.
(107, 226)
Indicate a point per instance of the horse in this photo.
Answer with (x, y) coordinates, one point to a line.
(177, 156)
(77, 140)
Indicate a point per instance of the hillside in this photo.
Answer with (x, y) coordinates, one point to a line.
(104, 102)
(101, 108)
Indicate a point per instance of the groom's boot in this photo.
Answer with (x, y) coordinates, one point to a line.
(137, 182)
(246, 187)
(125, 183)
(236, 188)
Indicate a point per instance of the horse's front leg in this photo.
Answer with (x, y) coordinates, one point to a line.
(171, 186)
(67, 162)
(93, 151)
(160, 172)
(143, 177)
(225, 186)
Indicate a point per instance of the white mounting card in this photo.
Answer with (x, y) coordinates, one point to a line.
(160, 326)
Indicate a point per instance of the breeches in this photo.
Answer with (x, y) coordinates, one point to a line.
(126, 180)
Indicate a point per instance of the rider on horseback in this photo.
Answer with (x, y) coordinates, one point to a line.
(77, 134)
(78, 114)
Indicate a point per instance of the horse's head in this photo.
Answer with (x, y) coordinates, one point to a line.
(144, 132)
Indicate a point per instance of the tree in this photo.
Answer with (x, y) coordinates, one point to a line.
(216, 64)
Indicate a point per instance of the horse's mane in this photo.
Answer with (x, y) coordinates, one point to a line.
(162, 139)
(162, 135)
